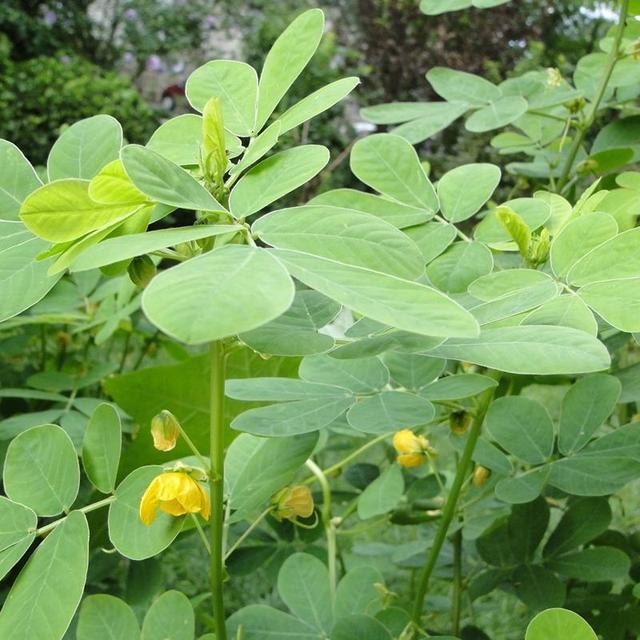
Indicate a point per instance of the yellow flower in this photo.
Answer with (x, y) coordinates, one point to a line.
(176, 493)
(412, 449)
(165, 430)
(293, 502)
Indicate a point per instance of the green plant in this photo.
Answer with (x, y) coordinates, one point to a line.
(292, 344)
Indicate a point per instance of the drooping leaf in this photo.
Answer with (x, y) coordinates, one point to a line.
(101, 447)
(219, 294)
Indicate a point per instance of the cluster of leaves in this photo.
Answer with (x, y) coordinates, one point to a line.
(349, 317)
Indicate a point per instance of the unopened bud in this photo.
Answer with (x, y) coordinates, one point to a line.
(480, 475)
(165, 430)
(412, 450)
(141, 271)
(459, 422)
(292, 502)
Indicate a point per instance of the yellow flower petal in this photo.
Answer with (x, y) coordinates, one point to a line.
(149, 502)
(410, 459)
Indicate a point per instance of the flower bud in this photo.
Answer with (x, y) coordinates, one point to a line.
(294, 501)
(459, 422)
(412, 449)
(141, 271)
(165, 430)
(480, 475)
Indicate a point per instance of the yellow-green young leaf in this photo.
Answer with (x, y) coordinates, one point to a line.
(62, 211)
(41, 470)
(275, 177)
(17, 180)
(559, 623)
(105, 616)
(179, 139)
(285, 61)
(213, 143)
(101, 447)
(170, 616)
(84, 148)
(164, 181)
(219, 294)
(112, 185)
(235, 84)
(517, 228)
(46, 594)
(317, 102)
(128, 534)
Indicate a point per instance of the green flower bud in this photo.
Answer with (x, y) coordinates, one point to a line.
(141, 271)
(165, 430)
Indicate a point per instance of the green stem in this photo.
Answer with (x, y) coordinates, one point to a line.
(90, 507)
(216, 484)
(329, 525)
(189, 442)
(451, 504)
(457, 581)
(201, 533)
(597, 99)
(246, 533)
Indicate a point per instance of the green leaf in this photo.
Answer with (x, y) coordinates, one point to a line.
(291, 418)
(105, 616)
(303, 585)
(584, 520)
(413, 371)
(523, 488)
(10, 556)
(463, 190)
(616, 301)
(432, 238)
(359, 627)
(390, 165)
(128, 534)
(84, 148)
(616, 258)
(362, 375)
(564, 311)
(137, 244)
(382, 495)
(276, 176)
(393, 301)
(462, 87)
(532, 350)
(503, 111)
(460, 265)
(288, 56)
(179, 139)
(41, 470)
(597, 564)
(17, 180)
(559, 623)
(295, 332)
(389, 411)
(111, 185)
(257, 468)
(37, 606)
(578, 238)
(356, 593)
(538, 587)
(235, 84)
(458, 386)
(248, 283)
(342, 235)
(277, 389)
(101, 447)
(516, 227)
(260, 622)
(630, 379)
(164, 181)
(62, 211)
(438, 7)
(170, 617)
(522, 427)
(395, 213)
(259, 147)
(585, 407)
(23, 278)
(317, 102)
(397, 112)
(16, 523)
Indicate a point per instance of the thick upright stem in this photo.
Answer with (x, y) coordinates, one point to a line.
(452, 503)
(457, 582)
(597, 98)
(216, 484)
